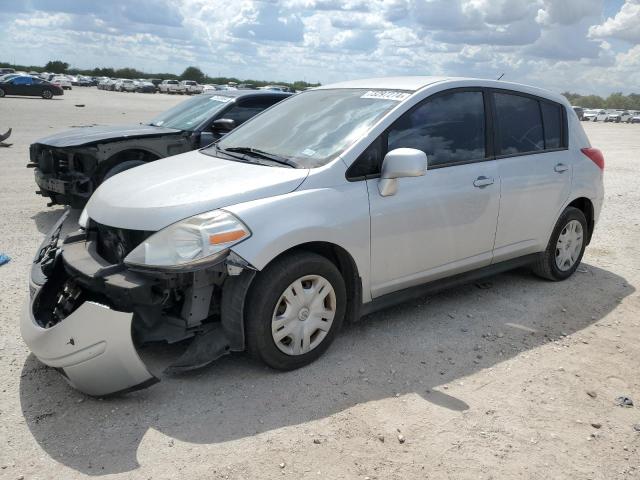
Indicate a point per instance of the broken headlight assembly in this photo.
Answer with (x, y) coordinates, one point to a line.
(191, 243)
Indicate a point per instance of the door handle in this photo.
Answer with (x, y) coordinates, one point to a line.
(482, 182)
(561, 167)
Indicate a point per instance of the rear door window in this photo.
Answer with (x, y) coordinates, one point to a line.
(519, 124)
(552, 120)
(449, 128)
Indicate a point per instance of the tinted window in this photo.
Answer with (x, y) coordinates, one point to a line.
(22, 81)
(519, 124)
(248, 108)
(449, 128)
(368, 163)
(552, 119)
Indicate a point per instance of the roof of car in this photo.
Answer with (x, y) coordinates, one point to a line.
(244, 93)
(396, 83)
(415, 83)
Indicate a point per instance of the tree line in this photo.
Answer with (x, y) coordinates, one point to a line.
(190, 73)
(616, 100)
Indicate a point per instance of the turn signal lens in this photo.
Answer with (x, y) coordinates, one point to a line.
(227, 237)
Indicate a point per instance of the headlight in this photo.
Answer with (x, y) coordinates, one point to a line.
(83, 221)
(191, 242)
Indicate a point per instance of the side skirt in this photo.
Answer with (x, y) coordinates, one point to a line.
(401, 296)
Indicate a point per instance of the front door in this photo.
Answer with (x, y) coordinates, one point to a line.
(444, 222)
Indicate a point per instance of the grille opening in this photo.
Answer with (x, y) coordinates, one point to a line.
(114, 244)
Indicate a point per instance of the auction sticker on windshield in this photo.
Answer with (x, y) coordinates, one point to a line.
(386, 95)
(220, 98)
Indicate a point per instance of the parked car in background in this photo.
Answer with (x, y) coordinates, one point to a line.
(625, 116)
(579, 112)
(332, 204)
(190, 87)
(635, 117)
(145, 87)
(70, 165)
(83, 81)
(6, 70)
(169, 86)
(30, 87)
(61, 81)
(125, 85)
(156, 82)
(613, 116)
(595, 115)
(279, 88)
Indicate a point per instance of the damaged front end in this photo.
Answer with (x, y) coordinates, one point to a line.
(88, 312)
(63, 175)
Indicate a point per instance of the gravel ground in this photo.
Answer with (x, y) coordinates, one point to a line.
(511, 378)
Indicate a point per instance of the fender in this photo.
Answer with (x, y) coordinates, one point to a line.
(337, 215)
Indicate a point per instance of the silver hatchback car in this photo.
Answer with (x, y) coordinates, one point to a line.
(329, 205)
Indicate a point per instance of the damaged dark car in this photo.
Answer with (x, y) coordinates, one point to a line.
(70, 165)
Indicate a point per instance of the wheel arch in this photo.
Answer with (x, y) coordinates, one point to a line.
(585, 206)
(123, 155)
(344, 262)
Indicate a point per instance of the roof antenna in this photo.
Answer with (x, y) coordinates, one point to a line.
(500, 77)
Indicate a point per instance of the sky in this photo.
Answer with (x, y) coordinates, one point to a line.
(585, 46)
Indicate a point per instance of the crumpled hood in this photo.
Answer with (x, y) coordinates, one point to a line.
(87, 135)
(153, 196)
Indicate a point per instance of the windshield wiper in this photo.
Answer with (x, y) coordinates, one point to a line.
(262, 154)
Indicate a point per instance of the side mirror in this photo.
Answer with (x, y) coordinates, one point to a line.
(223, 124)
(399, 163)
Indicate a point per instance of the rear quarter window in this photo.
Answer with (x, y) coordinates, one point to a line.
(552, 121)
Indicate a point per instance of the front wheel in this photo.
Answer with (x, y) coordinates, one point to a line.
(47, 94)
(294, 310)
(565, 248)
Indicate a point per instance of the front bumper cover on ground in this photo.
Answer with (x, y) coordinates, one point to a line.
(92, 346)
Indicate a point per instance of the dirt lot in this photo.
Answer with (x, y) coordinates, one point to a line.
(512, 378)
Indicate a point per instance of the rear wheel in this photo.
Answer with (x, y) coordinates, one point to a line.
(47, 94)
(294, 310)
(2, 94)
(566, 247)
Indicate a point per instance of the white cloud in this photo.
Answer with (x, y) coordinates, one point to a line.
(554, 43)
(625, 25)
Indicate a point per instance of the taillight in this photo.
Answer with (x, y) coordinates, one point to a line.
(595, 156)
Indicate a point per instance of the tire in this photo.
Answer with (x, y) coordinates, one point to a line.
(121, 167)
(266, 298)
(47, 94)
(2, 94)
(546, 265)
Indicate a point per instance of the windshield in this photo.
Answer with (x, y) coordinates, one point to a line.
(312, 128)
(188, 115)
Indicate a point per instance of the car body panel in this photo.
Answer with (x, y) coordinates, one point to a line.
(93, 347)
(89, 135)
(160, 193)
(441, 214)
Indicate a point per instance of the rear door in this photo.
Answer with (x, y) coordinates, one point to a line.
(444, 222)
(534, 168)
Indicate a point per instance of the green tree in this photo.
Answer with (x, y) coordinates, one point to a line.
(56, 66)
(193, 73)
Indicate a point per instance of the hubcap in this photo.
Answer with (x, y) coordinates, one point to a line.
(303, 315)
(569, 245)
